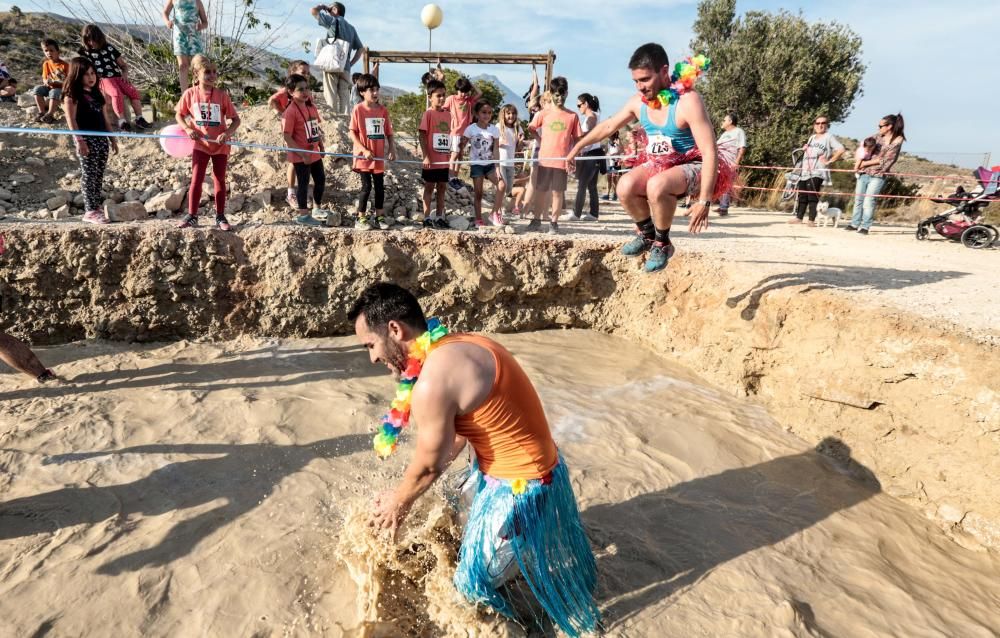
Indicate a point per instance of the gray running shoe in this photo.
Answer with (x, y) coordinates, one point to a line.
(636, 246)
(659, 254)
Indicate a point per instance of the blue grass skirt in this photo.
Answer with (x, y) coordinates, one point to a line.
(537, 533)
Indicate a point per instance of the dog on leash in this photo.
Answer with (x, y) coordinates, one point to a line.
(827, 214)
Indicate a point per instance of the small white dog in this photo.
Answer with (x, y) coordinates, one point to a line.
(828, 214)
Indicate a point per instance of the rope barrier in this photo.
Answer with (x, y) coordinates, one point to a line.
(851, 170)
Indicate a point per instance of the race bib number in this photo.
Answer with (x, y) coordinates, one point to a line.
(313, 133)
(375, 128)
(659, 145)
(441, 142)
(207, 114)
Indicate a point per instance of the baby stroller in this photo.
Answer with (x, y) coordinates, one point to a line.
(793, 176)
(961, 221)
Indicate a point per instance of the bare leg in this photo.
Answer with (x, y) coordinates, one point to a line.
(184, 68)
(440, 199)
(428, 190)
(663, 190)
(632, 194)
(40, 103)
(558, 201)
(477, 201)
(19, 356)
(498, 191)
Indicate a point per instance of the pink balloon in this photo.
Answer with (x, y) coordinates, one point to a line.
(176, 146)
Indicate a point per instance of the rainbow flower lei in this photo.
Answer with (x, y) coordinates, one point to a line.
(398, 416)
(685, 74)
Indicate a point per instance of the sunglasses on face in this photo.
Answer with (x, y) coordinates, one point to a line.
(820, 123)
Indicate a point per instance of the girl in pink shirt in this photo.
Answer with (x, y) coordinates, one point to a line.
(202, 113)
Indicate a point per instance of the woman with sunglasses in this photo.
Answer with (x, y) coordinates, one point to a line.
(874, 171)
(821, 150)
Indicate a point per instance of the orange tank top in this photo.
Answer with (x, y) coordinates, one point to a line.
(508, 431)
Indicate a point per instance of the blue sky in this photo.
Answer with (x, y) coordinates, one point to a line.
(929, 59)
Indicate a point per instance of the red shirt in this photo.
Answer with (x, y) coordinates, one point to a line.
(559, 130)
(207, 112)
(434, 126)
(302, 123)
(372, 126)
(461, 111)
(283, 99)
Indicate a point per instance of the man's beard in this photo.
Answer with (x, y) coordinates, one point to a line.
(397, 356)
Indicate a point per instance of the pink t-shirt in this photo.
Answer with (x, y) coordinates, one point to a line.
(461, 111)
(302, 123)
(372, 126)
(208, 111)
(434, 126)
(560, 129)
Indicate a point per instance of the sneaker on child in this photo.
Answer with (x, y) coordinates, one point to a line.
(307, 220)
(587, 217)
(553, 228)
(95, 217)
(319, 214)
(382, 223)
(222, 223)
(534, 225)
(497, 220)
(569, 217)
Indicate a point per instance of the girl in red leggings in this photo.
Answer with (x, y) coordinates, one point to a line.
(202, 112)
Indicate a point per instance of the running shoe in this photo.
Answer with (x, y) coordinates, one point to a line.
(362, 223)
(319, 214)
(722, 211)
(48, 375)
(605, 198)
(141, 123)
(441, 224)
(125, 126)
(307, 220)
(222, 223)
(95, 217)
(535, 225)
(862, 231)
(637, 245)
(48, 119)
(587, 217)
(189, 221)
(569, 217)
(682, 205)
(553, 228)
(456, 183)
(428, 222)
(497, 220)
(383, 223)
(659, 254)
(850, 228)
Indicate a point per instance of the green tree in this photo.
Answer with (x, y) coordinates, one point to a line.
(777, 72)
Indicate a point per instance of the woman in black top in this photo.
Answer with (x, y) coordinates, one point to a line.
(84, 106)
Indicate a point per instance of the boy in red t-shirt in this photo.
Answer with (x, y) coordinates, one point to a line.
(279, 102)
(558, 129)
(371, 132)
(300, 125)
(435, 143)
(202, 112)
(460, 107)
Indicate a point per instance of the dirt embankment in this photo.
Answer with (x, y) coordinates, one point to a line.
(917, 402)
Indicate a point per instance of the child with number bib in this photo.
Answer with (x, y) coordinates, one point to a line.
(84, 106)
(279, 102)
(202, 113)
(300, 125)
(371, 132)
(435, 143)
(483, 140)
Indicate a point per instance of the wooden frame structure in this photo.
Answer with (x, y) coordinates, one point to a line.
(417, 57)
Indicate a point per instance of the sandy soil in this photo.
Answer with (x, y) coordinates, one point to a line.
(215, 489)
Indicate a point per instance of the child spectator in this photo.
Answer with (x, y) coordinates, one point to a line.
(54, 71)
(300, 126)
(355, 94)
(511, 137)
(8, 90)
(435, 144)
(614, 165)
(202, 112)
(279, 102)
(371, 132)
(559, 128)
(460, 105)
(84, 105)
(483, 139)
(867, 150)
(113, 71)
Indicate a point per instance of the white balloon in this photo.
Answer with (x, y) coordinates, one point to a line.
(432, 16)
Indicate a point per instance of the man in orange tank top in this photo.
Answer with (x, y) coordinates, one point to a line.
(522, 518)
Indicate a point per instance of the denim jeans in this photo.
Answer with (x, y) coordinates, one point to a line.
(864, 200)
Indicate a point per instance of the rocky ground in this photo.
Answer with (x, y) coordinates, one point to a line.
(40, 177)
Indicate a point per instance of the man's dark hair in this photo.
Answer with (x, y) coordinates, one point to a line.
(649, 56)
(463, 85)
(339, 8)
(732, 118)
(434, 85)
(367, 81)
(49, 42)
(384, 302)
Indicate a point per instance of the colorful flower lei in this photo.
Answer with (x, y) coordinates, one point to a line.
(398, 416)
(685, 74)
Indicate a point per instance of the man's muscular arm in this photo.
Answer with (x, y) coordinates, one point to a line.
(604, 130)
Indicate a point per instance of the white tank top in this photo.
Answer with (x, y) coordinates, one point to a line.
(586, 129)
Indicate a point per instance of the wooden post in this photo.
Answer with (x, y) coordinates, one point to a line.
(367, 68)
(549, 70)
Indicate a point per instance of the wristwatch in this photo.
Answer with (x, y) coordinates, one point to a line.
(705, 202)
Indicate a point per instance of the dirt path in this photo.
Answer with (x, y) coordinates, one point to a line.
(936, 278)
